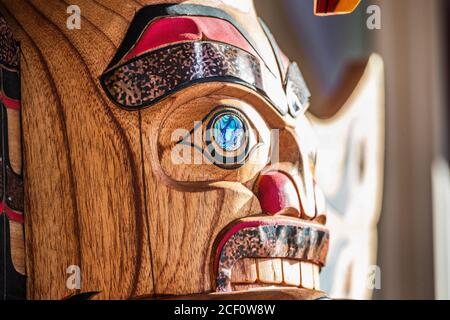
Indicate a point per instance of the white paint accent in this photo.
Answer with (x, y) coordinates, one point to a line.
(241, 5)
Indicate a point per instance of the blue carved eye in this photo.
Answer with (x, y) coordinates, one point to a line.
(229, 132)
(228, 140)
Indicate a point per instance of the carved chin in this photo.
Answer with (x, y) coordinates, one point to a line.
(270, 251)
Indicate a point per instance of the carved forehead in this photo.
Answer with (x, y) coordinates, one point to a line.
(149, 15)
(171, 47)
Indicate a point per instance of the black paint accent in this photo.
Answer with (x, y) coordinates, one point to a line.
(149, 13)
(238, 163)
(145, 80)
(218, 158)
(2, 156)
(85, 296)
(12, 283)
(10, 83)
(280, 240)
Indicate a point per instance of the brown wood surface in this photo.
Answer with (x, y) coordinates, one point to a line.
(84, 185)
(88, 198)
(258, 294)
(17, 246)
(14, 140)
(16, 229)
(100, 190)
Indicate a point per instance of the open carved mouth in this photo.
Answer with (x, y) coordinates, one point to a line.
(265, 251)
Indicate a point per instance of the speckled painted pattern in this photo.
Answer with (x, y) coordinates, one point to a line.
(144, 80)
(14, 190)
(305, 243)
(9, 50)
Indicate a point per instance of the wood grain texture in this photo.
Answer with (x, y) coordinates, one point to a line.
(85, 190)
(14, 140)
(17, 246)
(101, 192)
(82, 155)
(177, 206)
(244, 271)
(270, 293)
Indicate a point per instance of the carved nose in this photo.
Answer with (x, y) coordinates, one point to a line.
(277, 194)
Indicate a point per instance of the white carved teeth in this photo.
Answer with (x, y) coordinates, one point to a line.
(251, 273)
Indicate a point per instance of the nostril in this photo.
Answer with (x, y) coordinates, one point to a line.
(277, 194)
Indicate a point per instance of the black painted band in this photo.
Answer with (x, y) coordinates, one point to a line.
(149, 13)
(149, 78)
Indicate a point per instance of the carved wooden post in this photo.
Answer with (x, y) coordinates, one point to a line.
(167, 153)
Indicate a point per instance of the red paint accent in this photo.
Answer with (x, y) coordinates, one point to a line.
(326, 6)
(332, 4)
(166, 31)
(9, 103)
(276, 192)
(322, 6)
(11, 214)
(259, 223)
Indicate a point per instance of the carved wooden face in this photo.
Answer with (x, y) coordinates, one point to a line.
(167, 151)
(228, 152)
(176, 159)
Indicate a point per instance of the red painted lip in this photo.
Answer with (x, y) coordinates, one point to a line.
(262, 221)
(167, 31)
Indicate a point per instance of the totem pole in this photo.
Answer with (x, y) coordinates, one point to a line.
(168, 153)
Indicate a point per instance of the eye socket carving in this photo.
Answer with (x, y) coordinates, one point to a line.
(227, 139)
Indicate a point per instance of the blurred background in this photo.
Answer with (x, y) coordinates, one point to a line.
(414, 230)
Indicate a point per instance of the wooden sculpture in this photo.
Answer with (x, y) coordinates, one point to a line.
(350, 167)
(167, 154)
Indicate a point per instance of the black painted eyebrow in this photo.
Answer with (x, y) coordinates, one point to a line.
(149, 13)
(241, 68)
